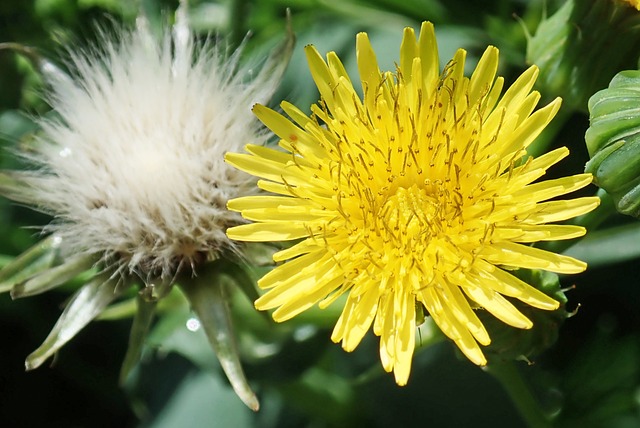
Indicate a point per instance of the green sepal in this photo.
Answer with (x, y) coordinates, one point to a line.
(276, 64)
(259, 257)
(48, 69)
(243, 280)
(613, 140)
(127, 307)
(88, 302)
(139, 329)
(614, 112)
(157, 289)
(53, 277)
(581, 46)
(629, 202)
(619, 172)
(208, 298)
(12, 187)
(594, 163)
(259, 253)
(32, 262)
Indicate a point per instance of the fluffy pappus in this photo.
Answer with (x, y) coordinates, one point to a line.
(130, 165)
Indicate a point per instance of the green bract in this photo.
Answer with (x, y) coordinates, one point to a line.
(573, 48)
(613, 140)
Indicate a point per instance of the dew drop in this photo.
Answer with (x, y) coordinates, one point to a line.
(65, 153)
(193, 324)
(56, 241)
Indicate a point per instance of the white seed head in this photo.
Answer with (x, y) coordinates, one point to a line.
(131, 165)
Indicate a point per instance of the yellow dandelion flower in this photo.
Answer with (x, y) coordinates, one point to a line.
(634, 3)
(418, 193)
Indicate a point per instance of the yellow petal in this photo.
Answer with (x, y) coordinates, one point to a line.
(408, 51)
(266, 201)
(359, 319)
(279, 124)
(509, 285)
(368, 69)
(452, 327)
(460, 308)
(524, 233)
(321, 75)
(290, 270)
(513, 254)
(519, 89)
(267, 167)
(306, 298)
(405, 319)
(561, 210)
(528, 130)
(336, 68)
(304, 247)
(266, 232)
(551, 188)
(497, 305)
(386, 332)
(429, 58)
(484, 75)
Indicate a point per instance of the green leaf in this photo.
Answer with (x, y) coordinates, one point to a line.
(203, 400)
(602, 394)
(608, 246)
(319, 390)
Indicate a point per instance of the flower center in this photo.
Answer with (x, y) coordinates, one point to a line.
(408, 217)
(414, 231)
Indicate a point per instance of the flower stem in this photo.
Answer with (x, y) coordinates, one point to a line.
(515, 386)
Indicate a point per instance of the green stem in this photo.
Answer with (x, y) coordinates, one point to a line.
(521, 396)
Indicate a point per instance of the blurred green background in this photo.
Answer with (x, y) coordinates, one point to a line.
(590, 377)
